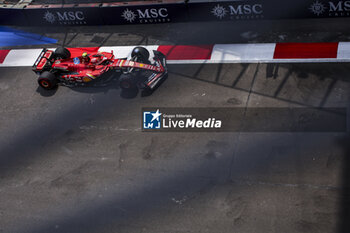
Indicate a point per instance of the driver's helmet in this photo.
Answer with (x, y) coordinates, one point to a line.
(85, 57)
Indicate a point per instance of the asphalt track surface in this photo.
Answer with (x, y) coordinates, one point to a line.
(75, 159)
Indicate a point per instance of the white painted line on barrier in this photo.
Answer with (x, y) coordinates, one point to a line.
(221, 53)
(323, 60)
(343, 50)
(242, 52)
(21, 57)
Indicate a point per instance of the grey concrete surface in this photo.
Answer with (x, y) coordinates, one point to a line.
(75, 160)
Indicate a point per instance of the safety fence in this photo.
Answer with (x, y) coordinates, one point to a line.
(170, 11)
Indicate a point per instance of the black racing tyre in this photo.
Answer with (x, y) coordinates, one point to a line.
(62, 53)
(141, 53)
(47, 80)
(128, 81)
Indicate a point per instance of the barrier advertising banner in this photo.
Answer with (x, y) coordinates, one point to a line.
(175, 12)
(13, 17)
(145, 14)
(235, 10)
(64, 16)
(267, 9)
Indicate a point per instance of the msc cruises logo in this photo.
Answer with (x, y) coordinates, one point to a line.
(147, 15)
(330, 8)
(242, 11)
(65, 17)
(49, 17)
(219, 11)
(129, 15)
(317, 8)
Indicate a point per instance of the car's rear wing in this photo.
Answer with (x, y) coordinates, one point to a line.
(40, 63)
(155, 78)
(39, 58)
(161, 57)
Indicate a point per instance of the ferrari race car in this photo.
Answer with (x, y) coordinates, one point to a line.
(58, 67)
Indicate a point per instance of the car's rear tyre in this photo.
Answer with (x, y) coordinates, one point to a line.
(47, 80)
(128, 81)
(142, 54)
(62, 53)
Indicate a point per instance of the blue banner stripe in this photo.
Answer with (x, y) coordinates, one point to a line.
(13, 37)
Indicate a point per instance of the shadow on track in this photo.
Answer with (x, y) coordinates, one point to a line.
(113, 84)
(344, 196)
(114, 210)
(46, 93)
(327, 79)
(145, 200)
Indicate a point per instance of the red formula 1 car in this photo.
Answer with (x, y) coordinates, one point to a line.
(58, 67)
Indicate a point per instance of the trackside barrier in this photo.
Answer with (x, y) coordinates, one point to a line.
(171, 11)
(12, 17)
